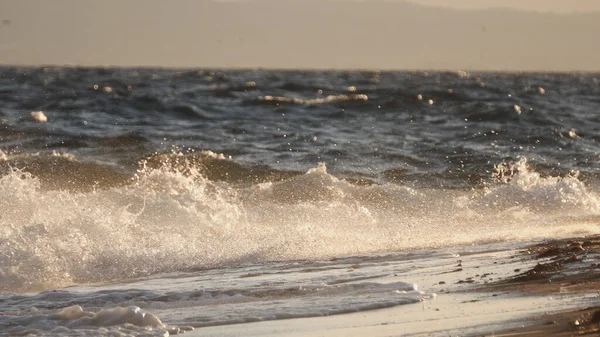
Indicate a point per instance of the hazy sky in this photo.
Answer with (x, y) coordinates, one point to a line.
(379, 34)
(557, 6)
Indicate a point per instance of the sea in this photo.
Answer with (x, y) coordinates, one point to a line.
(151, 202)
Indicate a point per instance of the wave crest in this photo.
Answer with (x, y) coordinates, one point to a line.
(519, 186)
(173, 218)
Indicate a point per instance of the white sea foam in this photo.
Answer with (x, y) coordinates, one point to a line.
(75, 321)
(314, 101)
(230, 296)
(170, 221)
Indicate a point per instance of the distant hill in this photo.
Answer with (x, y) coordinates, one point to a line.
(294, 34)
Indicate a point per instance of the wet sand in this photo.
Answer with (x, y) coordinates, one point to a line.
(537, 289)
(568, 266)
(581, 322)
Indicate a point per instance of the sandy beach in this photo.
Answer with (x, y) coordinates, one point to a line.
(567, 268)
(542, 289)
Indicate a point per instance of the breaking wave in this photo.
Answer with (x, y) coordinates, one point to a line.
(171, 217)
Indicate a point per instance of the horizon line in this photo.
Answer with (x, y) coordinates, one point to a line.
(327, 69)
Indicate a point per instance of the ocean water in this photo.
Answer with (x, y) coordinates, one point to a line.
(153, 201)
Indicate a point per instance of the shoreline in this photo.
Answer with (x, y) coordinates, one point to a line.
(566, 267)
(541, 289)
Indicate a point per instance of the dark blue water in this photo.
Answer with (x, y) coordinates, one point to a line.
(437, 128)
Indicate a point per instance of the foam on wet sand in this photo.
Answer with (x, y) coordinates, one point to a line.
(490, 292)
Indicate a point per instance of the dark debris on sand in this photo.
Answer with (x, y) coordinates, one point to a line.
(564, 266)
